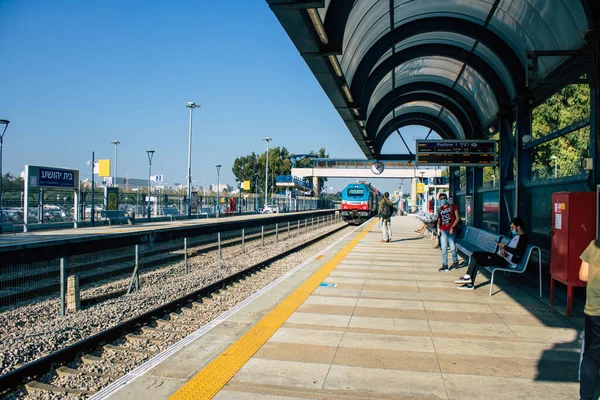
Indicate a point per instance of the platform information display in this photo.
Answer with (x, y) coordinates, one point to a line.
(461, 153)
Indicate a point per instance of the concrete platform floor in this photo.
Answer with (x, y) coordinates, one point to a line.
(392, 327)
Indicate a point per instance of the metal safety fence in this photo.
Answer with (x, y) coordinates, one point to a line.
(91, 270)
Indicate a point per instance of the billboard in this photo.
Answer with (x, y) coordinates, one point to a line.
(460, 153)
(50, 177)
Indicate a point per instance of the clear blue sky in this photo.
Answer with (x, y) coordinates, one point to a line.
(76, 75)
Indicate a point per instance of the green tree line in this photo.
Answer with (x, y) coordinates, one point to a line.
(245, 167)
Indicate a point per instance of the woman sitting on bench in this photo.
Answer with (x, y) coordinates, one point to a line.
(511, 253)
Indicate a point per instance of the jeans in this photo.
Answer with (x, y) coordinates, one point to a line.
(588, 373)
(446, 238)
(386, 229)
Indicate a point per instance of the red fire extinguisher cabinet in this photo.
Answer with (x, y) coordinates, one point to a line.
(573, 228)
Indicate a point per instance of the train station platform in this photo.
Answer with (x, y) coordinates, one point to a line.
(364, 320)
(19, 241)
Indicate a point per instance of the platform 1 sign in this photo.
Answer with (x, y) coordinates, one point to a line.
(49, 177)
(460, 153)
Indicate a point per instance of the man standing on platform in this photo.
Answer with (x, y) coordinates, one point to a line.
(448, 219)
(590, 272)
(385, 211)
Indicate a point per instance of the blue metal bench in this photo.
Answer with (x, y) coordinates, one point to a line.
(111, 215)
(520, 267)
(475, 239)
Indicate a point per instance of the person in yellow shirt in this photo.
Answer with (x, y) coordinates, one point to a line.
(590, 272)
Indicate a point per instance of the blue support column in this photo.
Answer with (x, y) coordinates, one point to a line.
(477, 211)
(506, 173)
(523, 159)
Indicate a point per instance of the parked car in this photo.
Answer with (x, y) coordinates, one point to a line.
(269, 209)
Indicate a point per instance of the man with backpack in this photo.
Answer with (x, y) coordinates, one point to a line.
(447, 221)
(385, 211)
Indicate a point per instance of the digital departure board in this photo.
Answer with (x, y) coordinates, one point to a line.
(457, 153)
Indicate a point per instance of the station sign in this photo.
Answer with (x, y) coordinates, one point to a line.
(420, 188)
(460, 153)
(50, 177)
(156, 178)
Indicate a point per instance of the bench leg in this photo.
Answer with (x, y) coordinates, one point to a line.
(492, 283)
(569, 299)
(551, 291)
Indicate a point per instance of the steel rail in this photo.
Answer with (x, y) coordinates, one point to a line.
(38, 367)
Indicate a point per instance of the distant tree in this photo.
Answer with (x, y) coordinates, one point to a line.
(570, 105)
(246, 167)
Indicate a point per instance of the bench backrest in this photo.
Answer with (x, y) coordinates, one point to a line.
(112, 213)
(522, 265)
(480, 238)
(169, 211)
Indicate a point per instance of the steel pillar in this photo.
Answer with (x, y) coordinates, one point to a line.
(477, 183)
(506, 174)
(523, 159)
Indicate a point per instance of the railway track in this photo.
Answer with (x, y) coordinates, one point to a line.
(82, 368)
(43, 281)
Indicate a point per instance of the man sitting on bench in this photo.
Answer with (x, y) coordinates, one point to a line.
(506, 254)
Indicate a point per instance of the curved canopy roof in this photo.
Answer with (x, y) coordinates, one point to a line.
(453, 66)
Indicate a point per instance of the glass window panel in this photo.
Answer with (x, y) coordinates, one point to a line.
(367, 22)
(442, 70)
(463, 42)
(523, 24)
(480, 91)
(539, 25)
(425, 107)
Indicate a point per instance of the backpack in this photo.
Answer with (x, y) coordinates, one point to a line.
(386, 210)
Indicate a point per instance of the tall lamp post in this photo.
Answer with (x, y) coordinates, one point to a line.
(218, 189)
(268, 140)
(150, 154)
(555, 158)
(4, 122)
(116, 143)
(191, 105)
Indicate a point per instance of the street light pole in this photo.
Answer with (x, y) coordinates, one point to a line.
(191, 105)
(116, 143)
(555, 158)
(268, 140)
(150, 154)
(4, 122)
(218, 190)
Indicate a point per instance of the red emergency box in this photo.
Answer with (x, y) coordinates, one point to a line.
(573, 228)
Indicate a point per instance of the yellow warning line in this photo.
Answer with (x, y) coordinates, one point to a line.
(207, 383)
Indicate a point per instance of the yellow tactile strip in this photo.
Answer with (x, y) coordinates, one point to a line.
(207, 383)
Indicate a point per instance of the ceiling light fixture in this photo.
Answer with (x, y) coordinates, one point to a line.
(348, 94)
(336, 65)
(316, 20)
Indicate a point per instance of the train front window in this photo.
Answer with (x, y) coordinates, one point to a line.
(356, 192)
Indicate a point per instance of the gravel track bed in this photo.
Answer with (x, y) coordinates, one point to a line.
(108, 265)
(35, 329)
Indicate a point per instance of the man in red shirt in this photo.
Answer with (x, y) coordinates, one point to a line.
(448, 219)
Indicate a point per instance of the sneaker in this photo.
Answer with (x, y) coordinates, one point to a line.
(444, 269)
(463, 280)
(453, 266)
(466, 286)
